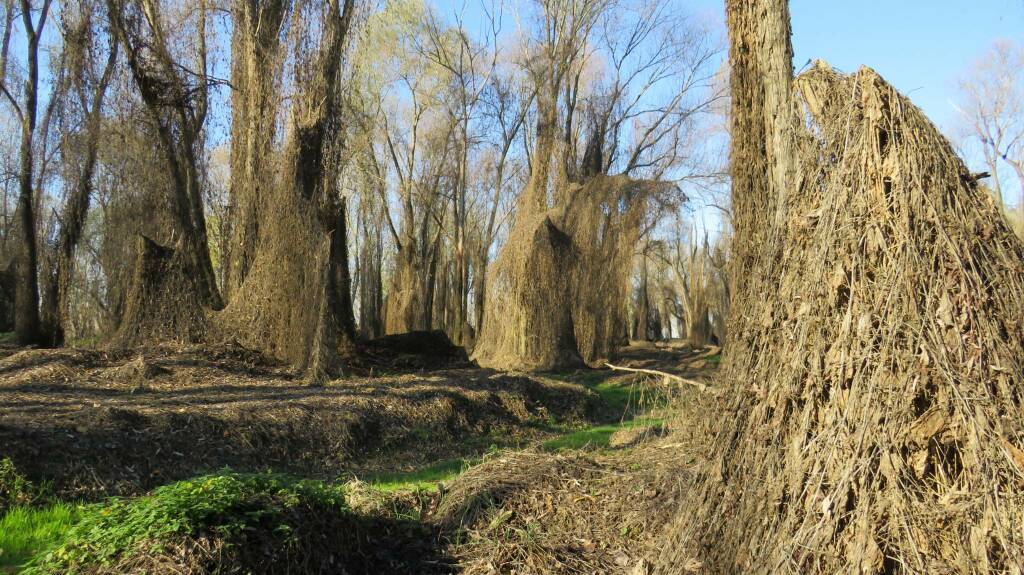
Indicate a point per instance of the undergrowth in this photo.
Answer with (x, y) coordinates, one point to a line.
(232, 507)
(16, 489)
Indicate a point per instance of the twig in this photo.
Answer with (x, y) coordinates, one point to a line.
(669, 376)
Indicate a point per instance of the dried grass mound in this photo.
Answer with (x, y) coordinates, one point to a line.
(164, 301)
(532, 512)
(558, 290)
(875, 422)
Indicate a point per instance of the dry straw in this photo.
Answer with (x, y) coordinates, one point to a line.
(557, 293)
(874, 422)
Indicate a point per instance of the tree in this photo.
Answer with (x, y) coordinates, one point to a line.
(507, 106)
(26, 300)
(992, 104)
(177, 102)
(295, 301)
(91, 72)
(561, 283)
(255, 77)
(861, 402)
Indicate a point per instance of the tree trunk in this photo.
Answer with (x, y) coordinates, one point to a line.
(762, 117)
(76, 207)
(370, 284)
(255, 70)
(26, 299)
(479, 288)
(643, 306)
(290, 305)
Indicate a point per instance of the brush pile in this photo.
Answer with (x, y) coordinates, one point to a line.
(533, 512)
(875, 422)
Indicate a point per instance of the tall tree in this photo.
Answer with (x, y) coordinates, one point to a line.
(91, 72)
(26, 300)
(257, 57)
(294, 303)
(860, 400)
(176, 99)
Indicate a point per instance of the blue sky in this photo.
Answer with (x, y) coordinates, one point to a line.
(920, 46)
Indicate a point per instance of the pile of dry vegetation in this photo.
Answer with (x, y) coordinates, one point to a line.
(561, 284)
(874, 421)
(533, 512)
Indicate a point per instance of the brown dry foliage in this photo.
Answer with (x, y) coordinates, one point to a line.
(558, 291)
(533, 512)
(875, 416)
(163, 300)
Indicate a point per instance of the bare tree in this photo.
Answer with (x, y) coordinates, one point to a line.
(90, 71)
(26, 315)
(992, 105)
(176, 97)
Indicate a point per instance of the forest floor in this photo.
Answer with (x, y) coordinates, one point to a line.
(430, 439)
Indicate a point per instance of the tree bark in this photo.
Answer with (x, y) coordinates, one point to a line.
(26, 311)
(762, 156)
(291, 305)
(255, 45)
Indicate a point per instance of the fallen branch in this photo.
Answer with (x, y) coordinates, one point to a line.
(668, 376)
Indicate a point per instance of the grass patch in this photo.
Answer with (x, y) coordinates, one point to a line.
(624, 398)
(425, 478)
(597, 437)
(628, 402)
(715, 359)
(28, 531)
(258, 509)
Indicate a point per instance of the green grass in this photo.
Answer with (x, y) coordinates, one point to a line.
(230, 505)
(623, 397)
(627, 401)
(425, 478)
(597, 437)
(26, 531)
(715, 359)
